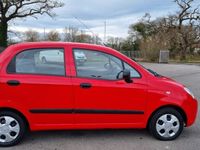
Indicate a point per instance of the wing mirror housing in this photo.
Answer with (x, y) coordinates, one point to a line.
(127, 76)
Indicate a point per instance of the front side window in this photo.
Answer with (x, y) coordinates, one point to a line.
(39, 61)
(94, 64)
(134, 73)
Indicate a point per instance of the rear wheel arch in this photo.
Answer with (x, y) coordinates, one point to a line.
(18, 113)
(177, 108)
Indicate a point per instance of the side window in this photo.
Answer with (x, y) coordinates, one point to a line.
(94, 64)
(39, 61)
(134, 73)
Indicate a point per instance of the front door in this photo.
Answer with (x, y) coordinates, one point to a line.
(101, 96)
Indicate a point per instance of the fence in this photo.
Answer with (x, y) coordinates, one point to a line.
(162, 57)
(133, 54)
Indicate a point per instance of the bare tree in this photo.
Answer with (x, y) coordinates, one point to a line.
(70, 34)
(115, 42)
(53, 36)
(12, 9)
(187, 21)
(84, 38)
(32, 36)
(178, 32)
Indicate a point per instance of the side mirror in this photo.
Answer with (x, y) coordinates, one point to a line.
(127, 76)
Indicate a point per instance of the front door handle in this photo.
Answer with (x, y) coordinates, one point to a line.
(85, 85)
(13, 82)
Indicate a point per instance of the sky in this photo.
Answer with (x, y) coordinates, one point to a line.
(90, 16)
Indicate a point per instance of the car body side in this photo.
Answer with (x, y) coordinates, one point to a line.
(160, 92)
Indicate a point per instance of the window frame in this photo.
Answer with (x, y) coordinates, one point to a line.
(95, 50)
(39, 74)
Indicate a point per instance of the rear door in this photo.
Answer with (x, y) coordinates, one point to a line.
(42, 89)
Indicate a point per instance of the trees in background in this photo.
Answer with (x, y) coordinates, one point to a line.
(53, 36)
(12, 9)
(72, 34)
(123, 44)
(178, 32)
(187, 22)
(115, 43)
(31, 36)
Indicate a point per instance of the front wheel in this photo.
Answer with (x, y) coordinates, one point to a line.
(12, 128)
(166, 124)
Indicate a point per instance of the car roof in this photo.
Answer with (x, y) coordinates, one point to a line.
(55, 44)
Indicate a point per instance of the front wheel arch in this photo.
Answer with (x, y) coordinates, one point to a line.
(180, 110)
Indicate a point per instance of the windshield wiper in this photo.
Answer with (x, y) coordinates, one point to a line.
(154, 73)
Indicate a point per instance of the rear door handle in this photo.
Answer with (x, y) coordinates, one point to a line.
(13, 82)
(85, 85)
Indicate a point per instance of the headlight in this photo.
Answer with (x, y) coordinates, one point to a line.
(189, 92)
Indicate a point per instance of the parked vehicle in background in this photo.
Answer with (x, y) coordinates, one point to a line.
(80, 57)
(57, 56)
(51, 56)
(109, 91)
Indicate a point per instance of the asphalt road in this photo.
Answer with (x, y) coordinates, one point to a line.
(123, 139)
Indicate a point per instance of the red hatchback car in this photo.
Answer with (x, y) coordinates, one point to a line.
(56, 86)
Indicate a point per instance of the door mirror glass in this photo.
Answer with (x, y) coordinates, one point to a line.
(127, 76)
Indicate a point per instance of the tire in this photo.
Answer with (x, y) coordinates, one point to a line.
(166, 124)
(44, 60)
(12, 128)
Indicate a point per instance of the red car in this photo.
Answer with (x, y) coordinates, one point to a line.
(108, 90)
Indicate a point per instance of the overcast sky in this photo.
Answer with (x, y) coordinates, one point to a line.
(118, 14)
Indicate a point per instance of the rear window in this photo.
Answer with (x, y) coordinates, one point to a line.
(38, 61)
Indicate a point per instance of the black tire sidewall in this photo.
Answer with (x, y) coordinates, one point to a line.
(21, 132)
(158, 114)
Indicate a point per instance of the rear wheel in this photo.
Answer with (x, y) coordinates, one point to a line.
(166, 124)
(12, 128)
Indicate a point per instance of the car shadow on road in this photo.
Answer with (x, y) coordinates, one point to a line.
(90, 134)
(96, 139)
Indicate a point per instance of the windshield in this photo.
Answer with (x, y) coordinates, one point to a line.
(151, 71)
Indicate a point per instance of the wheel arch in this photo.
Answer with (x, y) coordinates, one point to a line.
(18, 113)
(179, 109)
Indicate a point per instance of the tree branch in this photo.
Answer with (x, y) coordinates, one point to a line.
(24, 8)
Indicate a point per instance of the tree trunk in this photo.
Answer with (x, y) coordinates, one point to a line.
(183, 55)
(3, 33)
(183, 52)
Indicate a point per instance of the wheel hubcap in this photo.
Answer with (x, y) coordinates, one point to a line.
(9, 129)
(167, 125)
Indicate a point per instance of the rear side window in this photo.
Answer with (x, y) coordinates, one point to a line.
(38, 61)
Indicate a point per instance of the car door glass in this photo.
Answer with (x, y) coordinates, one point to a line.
(39, 61)
(94, 64)
(134, 73)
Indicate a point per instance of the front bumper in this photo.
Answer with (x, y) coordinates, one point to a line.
(191, 111)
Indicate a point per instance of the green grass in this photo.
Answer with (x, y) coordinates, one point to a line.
(189, 59)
